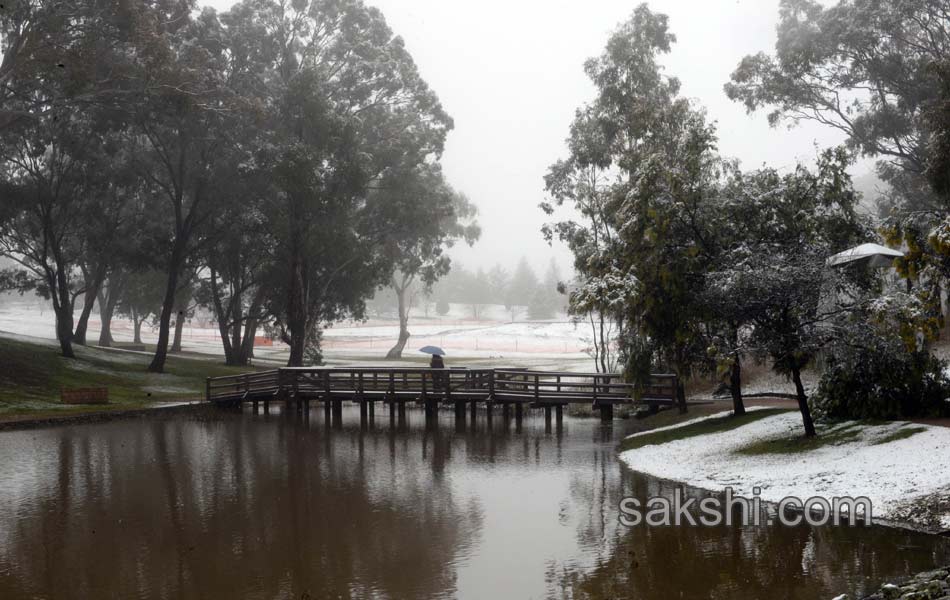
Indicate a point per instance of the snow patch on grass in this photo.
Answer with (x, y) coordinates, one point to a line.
(873, 462)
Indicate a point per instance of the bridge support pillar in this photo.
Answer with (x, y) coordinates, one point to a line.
(460, 411)
(559, 415)
(432, 410)
(326, 409)
(337, 409)
(506, 411)
(606, 412)
(488, 409)
(255, 406)
(547, 418)
(474, 411)
(372, 411)
(402, 411)
(363, 416)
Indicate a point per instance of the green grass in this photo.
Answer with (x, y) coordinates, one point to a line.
(901, 434)
(33, 373)
(709, 426)
(798, 444)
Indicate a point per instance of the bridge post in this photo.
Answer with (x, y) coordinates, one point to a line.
(519, 413)
(295, 397)
(362, 412)
(607, 412)
(547, 418)
(505, 411)
(474, 410)
(559, 415)
(337, 410)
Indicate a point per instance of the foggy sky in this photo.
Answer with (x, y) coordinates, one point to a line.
(510, 72)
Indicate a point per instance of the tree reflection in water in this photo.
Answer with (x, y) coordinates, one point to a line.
(229, 504)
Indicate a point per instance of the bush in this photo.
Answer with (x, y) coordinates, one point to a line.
(541, 306)
(877, 377)
(442, 307)
(313, 351)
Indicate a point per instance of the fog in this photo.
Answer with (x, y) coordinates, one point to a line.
(511, 75)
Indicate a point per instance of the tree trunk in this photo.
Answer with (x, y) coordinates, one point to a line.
(220, 315)
(297, 310)
(137, 327)
(735, 386)
(803, 403)
(396, 351)
(247, 344)
(168, 303)
(89, 300)
(226, 341)
(64, 329)
(237, 318)
(107, 304)
(681, 396)
(179, 325)
(250, 329)
(296, 349)
(106, 310)
(681, 367)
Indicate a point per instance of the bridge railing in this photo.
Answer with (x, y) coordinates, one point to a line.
(376, 382)
(244, 385)
(460, 384)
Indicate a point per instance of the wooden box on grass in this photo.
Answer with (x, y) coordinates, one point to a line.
(84, 395)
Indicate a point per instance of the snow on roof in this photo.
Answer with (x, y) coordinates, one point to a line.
(878, 255)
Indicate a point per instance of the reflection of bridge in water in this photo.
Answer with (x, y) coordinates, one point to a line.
(511, 389)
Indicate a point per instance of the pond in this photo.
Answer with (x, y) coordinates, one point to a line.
(231, 504)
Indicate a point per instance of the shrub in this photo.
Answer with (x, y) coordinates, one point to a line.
(442, 307)
(875, 376)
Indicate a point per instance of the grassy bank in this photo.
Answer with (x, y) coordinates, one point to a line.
(705, 427)
(33, 373)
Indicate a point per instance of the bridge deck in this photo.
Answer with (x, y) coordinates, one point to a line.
(434, 386)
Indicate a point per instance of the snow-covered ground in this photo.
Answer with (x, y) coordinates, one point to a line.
(552, 344)
(894, 475)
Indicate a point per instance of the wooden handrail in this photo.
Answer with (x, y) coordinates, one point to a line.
(456, 383)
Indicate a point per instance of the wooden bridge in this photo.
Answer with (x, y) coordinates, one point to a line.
(395, 386)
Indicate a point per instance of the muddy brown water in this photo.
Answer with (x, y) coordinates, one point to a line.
(229, 504)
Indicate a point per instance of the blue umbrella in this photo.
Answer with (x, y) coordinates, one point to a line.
(432, 350)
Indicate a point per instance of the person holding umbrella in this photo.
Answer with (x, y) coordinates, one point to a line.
(437, 354)
(436, 363)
